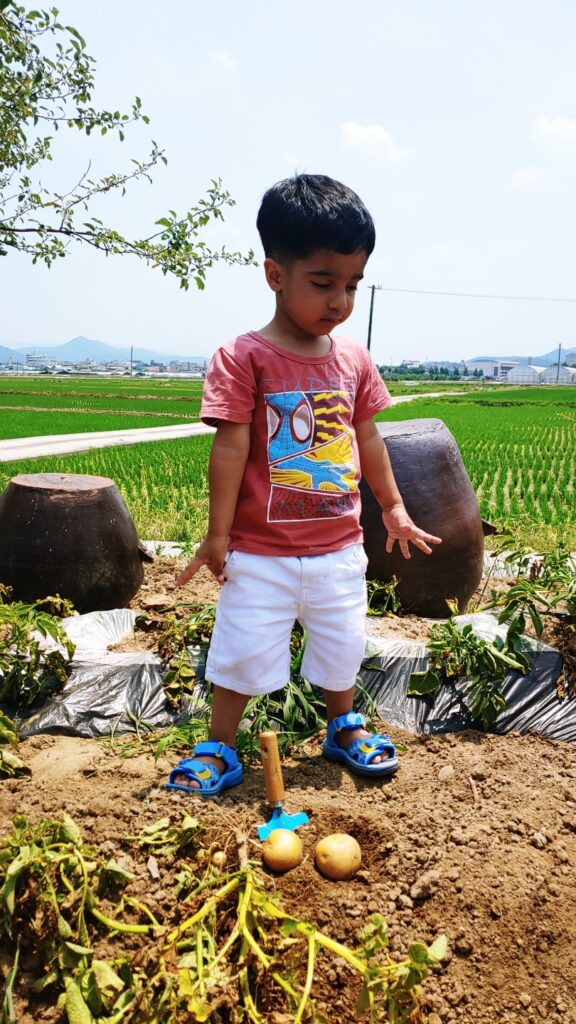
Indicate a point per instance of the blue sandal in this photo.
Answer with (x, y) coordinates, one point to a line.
(359, 755)
(210, 781)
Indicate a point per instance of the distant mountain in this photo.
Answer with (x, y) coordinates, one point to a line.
(548, 359)
(7, 354)
(87, 348)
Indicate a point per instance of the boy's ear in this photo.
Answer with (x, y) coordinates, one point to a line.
(274, 274)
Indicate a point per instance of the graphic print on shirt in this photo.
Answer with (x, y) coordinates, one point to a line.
(310, 455)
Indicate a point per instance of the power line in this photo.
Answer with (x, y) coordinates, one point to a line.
(477, 295)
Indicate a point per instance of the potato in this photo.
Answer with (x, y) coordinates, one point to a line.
(282, 850)
(338, 856)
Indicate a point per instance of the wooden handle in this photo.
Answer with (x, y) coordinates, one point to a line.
(272, 768)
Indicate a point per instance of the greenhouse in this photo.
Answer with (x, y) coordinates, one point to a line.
(525, 374)
(559, 375)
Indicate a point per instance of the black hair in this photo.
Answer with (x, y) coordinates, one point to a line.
(308, 212)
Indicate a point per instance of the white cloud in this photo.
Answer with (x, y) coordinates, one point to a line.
(292, 159)
(372, 139)
(529, 175)
(448, 251)
(559, 130)
(224, 61)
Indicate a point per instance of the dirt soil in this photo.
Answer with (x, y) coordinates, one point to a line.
(474, 837)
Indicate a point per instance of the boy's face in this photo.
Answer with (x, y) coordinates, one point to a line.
(316, 294)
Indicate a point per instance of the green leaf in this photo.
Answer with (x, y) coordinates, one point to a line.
(288, 926)
(438, 950)
(418, 952)
(69, 831)
(421, 683)
(77, 1010)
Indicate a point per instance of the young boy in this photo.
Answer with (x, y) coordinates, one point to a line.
(293, 407)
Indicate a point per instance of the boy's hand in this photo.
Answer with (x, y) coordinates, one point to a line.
(211, 553)
(401, 528)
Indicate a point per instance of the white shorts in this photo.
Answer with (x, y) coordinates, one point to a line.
(263, 596)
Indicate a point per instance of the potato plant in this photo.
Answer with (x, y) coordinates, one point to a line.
(223, 948)
(27, 669)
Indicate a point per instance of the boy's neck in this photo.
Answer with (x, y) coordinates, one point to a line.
(288, 336)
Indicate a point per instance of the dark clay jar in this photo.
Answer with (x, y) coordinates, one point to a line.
(439, 497)
(70, 535)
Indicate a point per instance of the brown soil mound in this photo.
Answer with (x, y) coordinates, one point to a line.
(474, 837)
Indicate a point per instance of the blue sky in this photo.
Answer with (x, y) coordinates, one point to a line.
(455, 121)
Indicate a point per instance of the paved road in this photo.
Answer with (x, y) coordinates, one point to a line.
(61, 444)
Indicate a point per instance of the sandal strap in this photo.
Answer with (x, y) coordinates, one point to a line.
(351, 720)
(205, 774)
(212, 748)
(370, 747)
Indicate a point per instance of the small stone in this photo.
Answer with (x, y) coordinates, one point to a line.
(525, 1000)
(152, 865)
(405, 902)
(446, 773)
(463, 946)
(539, 840)
(433, 1018)
(425, 886)
(458, 837)
(453, 874)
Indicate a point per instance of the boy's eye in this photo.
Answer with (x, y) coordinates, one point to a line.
(318, 284)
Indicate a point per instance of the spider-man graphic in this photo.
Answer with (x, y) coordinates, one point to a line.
(309, 451)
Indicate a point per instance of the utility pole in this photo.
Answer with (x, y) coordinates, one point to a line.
(558, 366)
(131, 359)
(373, 288)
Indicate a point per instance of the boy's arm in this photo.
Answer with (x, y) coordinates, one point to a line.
(225, 471)
(377, 471)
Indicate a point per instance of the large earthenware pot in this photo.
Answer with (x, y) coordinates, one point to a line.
(70, 535)
(439, 497)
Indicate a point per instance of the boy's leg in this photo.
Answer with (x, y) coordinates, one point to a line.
(227, 710)
(340, 702)
(249, 652)
(334, 613)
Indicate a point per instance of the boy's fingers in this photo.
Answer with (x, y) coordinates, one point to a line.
(420, 543)
(190, 571)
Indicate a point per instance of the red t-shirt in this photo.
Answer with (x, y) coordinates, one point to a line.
(299, 494)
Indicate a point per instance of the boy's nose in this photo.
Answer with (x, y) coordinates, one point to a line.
(339, 302)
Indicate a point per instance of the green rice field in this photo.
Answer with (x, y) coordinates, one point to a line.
(32, 407)
(518, 445)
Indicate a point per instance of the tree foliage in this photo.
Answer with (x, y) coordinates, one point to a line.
(46, 84)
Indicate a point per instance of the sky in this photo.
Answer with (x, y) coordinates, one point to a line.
(454, 121)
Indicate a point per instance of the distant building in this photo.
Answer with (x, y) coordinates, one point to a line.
(38, 361)
(492, 369)
(88, 366)
(118, 365)
(571, 359)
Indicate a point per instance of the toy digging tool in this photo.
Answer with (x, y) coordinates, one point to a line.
(275, 789)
